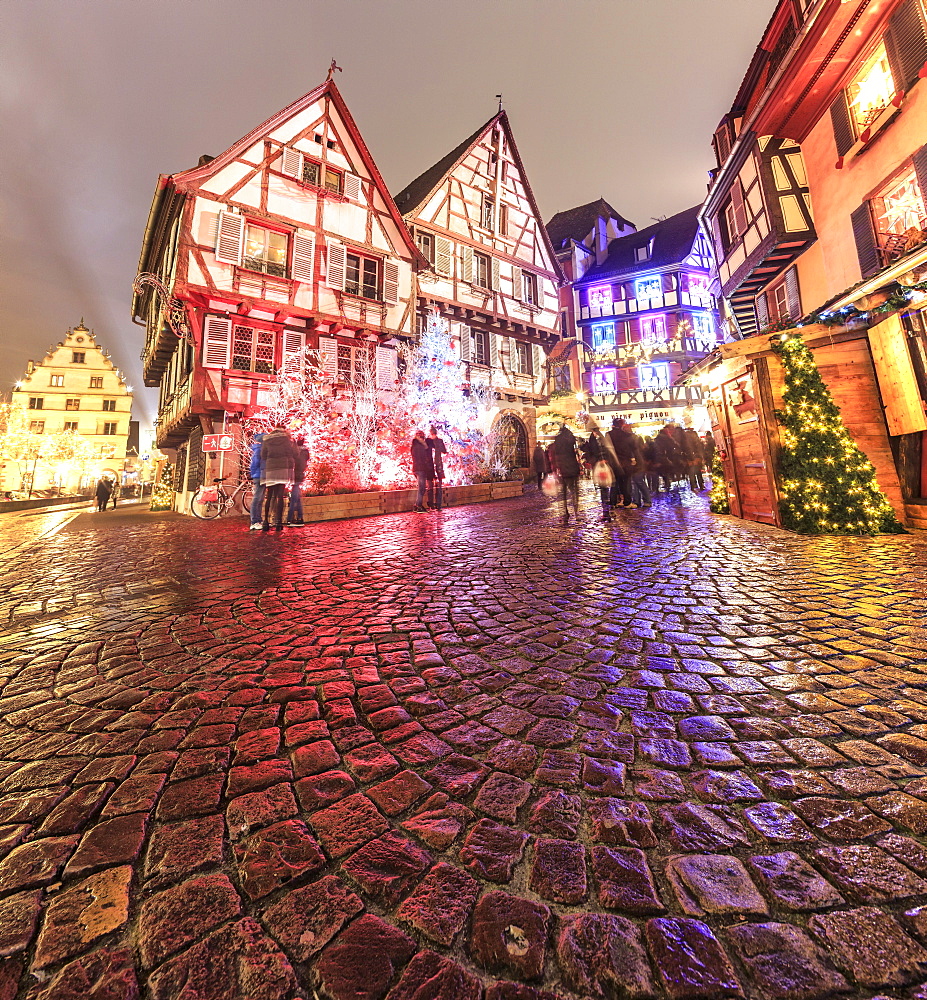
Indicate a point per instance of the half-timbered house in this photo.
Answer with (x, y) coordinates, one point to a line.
(492, 274)
(288, 242)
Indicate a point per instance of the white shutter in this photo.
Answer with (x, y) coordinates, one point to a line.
(518, 283)
(539, 287)
(493, 351)
(443, 250)
(466, 259)
(537, 353)
(328, 355)
(387, 368)
(217, 342)
(337, 265)
(390, 281)
(231, 238)
(303, 257)
(352, 187)
(294, 342)
(209, 229)
(463, 332)
(494, 278)
(292, 162)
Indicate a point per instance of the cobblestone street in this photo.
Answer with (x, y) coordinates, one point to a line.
(463, 755)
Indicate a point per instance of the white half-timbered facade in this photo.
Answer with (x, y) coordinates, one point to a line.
(288, 241)
(492, 272)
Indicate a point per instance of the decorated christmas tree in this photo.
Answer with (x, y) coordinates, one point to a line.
(162, 493)
(718, 501)
(828, 485)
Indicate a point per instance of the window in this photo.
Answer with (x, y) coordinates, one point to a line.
(654, 376)
(108, 404)
(777, 300)
(523, 359)
(601, 298)
(697, 284)
(362, 276)
(321, 177)
(426, 243)
(899, 207)
(643, 253)
(703, 327)
(96, 381)
(253, 350)
(36, 426)
(529, 288)
(78, 357)
(353, 361)
(648, 288)
(57, 380)
(479, 347)
(481, 270)
(503, 217)
(110, 428)
(871, 91)
(604, 380)
(603, 337)
(70, 425)
(74, 404)
(265, 250)
(653, 329)
(36, 402)
(488, 213)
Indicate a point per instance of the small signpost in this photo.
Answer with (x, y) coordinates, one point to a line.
(218, 442)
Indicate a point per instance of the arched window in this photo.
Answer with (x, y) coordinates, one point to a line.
(512, 442)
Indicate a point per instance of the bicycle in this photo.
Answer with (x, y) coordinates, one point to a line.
(210, 501)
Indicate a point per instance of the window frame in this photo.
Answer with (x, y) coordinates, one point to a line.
(524, 358)
(72, 403)
(78, 357)
(109, 405)
(56, 381)
(36, 426)
(70, 425)
(357, 290)
(530, 289)
(479, 347)
(488, 213)
(98, 379)
(259, 337)
(107, 424)
(482, 261)
(36, 403)
(603, 343)
(248, 262)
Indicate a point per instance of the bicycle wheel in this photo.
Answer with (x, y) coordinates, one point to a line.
(205, 510)
(247, 498)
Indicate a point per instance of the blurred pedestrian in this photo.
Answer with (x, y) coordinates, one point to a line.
(254, 471)
(696, 457)
(116, 492)
(102, 493)
(438, 450)
(566, 465)
(606, 469)
(630, 451)
(278, 470)
(423, 468)
(668, 458)
(295, 512)
(541, 465)
(708, 446)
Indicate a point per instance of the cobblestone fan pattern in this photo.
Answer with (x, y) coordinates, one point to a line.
(466, 756)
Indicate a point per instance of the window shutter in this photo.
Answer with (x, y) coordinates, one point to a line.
(294, 342)
(292, 162)
(537, 357)
(328, 355)
(493, 351)
(762, 312)
(352, 187)
(463, 331)
(337, 265)
(740, 209)
(539, 291)
(387, 368)
(466, 258)
(867, 250)
(844, 135)
(443, 250)
(716, 234)
(303, 257)
(494, 278)
(231, 238)
(793, 298)
(919, 159)
(390, 281)
(217, 342)
(210, 229)
(906, 43)
(518, 283)
(503, 219)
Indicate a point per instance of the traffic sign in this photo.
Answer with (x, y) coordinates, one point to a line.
(218, 442)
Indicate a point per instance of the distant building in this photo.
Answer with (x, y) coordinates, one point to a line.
(75, 390)
(645, 314)
(492, 273)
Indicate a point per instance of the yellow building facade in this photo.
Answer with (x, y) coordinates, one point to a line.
(74, 417)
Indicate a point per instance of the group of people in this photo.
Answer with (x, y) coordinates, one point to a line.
(107, 490)
(428, 468)
(278, 467)
(626, 468)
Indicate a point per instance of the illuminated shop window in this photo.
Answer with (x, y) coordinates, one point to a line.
(654, 376)
(653, 329)
(603, 381)
(871, 91)
(900, 206)
(603, 337)
(648, 288)
(601, 297)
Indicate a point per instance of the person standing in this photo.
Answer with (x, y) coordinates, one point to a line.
(278, 462)
(254, 471)
(630, 450)
(708, 447)
(668, 457)
(116, 492)
(102, 493)
(624, 444)
(438, 450)
(539, 460)
(598, 449)
(423, 468)
(566, 465)
(696, 459)
(295, 513)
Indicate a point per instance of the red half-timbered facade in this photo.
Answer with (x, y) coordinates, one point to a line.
(288, 242)
(492, 272)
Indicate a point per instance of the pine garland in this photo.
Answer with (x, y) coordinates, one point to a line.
(828, 485)
(718, 501)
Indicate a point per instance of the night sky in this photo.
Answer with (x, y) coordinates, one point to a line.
(611, 98)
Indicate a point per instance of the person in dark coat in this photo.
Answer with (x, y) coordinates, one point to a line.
(708, 446)
(438, 450)
(539, 460)
(696, 459)
(567, 467)
(278, 465)
(295, 512)
(630, 451)
(599, 449)
(423, 467)
(668, 458)
(102, 493)
(254, 471)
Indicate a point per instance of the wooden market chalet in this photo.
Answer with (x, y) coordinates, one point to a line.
(287, 242)
(492, 272)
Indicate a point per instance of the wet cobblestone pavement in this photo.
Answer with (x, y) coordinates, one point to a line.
(462, 756)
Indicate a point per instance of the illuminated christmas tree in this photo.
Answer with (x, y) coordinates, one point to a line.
(828, 485)
(162, 493)
(718, 500)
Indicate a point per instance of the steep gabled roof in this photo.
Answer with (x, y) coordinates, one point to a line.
(577, 223)
(672, 242)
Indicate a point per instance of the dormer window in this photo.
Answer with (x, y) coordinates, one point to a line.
(644, 252)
